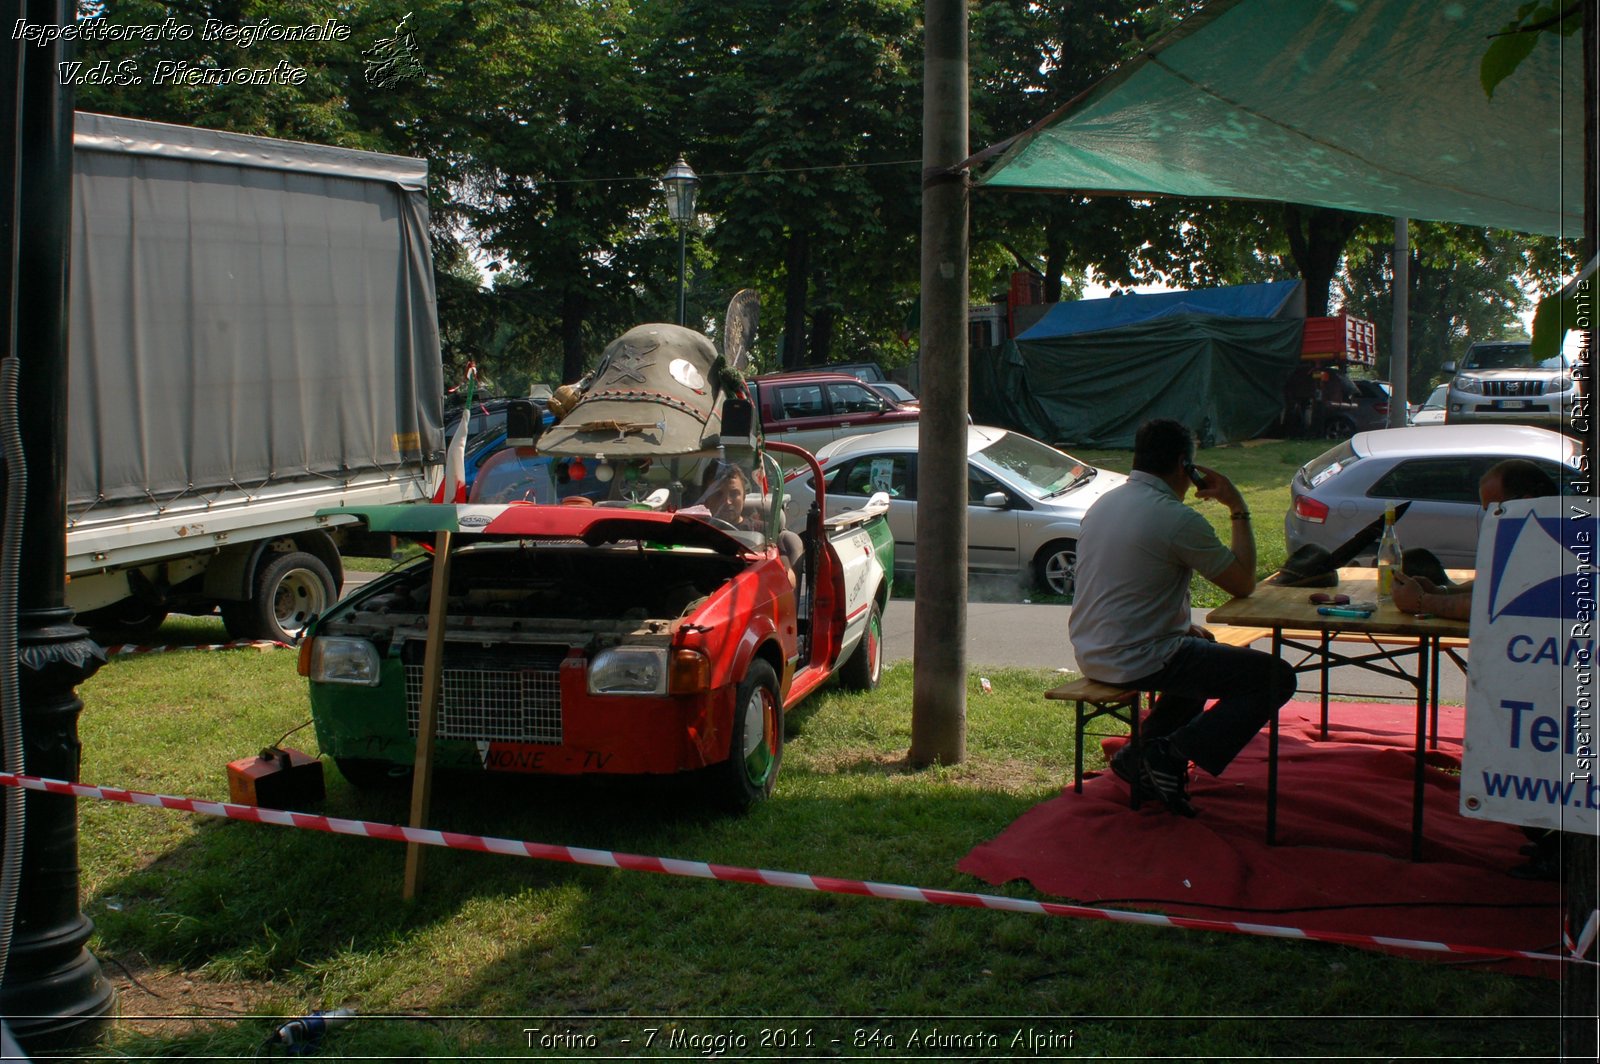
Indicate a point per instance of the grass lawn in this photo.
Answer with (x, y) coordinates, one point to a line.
(230, 926)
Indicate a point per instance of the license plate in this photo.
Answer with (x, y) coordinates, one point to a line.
(1512, 404)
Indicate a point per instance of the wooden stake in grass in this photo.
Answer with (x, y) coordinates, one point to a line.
(428, 708)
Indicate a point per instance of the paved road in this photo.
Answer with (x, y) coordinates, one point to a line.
(1034, 635)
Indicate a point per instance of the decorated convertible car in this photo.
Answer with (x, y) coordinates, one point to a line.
(666, 629)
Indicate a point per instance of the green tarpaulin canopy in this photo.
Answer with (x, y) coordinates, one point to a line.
(1223, 377)
(1367, 105)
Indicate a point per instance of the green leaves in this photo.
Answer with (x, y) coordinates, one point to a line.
(1570, 308)
(1517, 39)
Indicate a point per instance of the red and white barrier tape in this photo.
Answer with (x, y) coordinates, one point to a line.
(237, 644)
(760, 876)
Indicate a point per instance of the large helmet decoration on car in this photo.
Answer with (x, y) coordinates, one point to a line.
(658, 390)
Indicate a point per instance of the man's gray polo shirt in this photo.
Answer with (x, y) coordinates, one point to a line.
(1137, 548)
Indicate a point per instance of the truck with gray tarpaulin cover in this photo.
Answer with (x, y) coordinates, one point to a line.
(253, 339)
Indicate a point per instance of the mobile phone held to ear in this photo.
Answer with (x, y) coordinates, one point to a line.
(1197, 477)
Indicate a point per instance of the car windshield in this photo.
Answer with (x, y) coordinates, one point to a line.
(1043, 469)
(1509, 356)
(894, 391)
(736, 489)
(1436, 398)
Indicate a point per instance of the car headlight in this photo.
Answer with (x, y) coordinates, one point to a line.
(347, 661)
(629, 671)
(1469, 384)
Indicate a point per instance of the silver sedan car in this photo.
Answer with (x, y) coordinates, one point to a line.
(1025, 499)
(1437, 467)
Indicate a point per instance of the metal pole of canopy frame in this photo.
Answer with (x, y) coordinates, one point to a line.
(1400, 347)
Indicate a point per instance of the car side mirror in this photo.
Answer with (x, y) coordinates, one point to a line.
(997, 500)
(1448, 367)
(523, 423)
(738, 419)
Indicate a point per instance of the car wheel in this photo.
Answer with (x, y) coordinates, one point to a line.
(864, 668)
(1055, 567)
(756, 750)
(290, 589)
(128, 619)
(1339, 428)
(367, 774)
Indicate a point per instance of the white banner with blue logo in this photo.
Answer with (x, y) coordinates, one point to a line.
(1530, 733)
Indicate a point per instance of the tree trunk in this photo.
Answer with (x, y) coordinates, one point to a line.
(1317, 236)
(939, 681)
(797, 276)
(572, 355)
(573, 303)
(821, 335)
(1055, 261)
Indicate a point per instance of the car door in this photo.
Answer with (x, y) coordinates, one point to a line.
(993, 533)
(799, 415)
(854, 481)
(856, 409)
(1444, 513)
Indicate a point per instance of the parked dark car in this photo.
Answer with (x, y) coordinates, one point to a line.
(1352, 406)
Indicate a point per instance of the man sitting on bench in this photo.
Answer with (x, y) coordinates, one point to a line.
(1130, 627)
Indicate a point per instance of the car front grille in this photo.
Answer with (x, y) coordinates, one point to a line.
(1512, 389)
(509, 693)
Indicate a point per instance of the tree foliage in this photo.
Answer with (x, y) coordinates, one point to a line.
(546, 122)
(1463, 284)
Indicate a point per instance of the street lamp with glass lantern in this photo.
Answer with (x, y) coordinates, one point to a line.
(680, 183)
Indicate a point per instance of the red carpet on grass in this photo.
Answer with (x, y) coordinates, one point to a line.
(1343, 852)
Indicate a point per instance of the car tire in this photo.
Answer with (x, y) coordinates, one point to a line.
(128, 619)
(366, 774)
(1339, 428)
(755, 750)
(289, 590)
(864, 668)
(1055, 567)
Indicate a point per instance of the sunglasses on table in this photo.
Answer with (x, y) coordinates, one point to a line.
(1322, 598)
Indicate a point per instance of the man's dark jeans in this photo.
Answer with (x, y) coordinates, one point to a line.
(1247, 684)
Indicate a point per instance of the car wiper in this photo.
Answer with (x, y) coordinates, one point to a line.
(1077, 482)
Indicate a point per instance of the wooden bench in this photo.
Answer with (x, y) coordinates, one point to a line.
(1102, 700)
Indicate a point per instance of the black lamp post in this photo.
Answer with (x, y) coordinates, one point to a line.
(681, 184)
(52, 989)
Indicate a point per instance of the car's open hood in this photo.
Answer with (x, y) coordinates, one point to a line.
(593, 525)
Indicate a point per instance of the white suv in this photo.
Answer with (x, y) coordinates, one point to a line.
(1501, 382)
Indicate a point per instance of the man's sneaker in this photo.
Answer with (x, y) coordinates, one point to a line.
(1126, 766)
(1166, 773)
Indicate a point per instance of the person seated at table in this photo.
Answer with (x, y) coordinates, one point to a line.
(1130, 625)
(1421, 586)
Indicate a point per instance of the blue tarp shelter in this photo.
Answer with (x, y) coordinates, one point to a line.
(1091, 371)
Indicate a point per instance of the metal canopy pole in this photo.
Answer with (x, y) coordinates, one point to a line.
(1400, 345)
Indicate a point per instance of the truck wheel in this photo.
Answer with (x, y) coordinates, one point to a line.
(289, 589)
(756, 751)
(366, 774)
(865, 665)
(128, 619)
(1055, 567)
